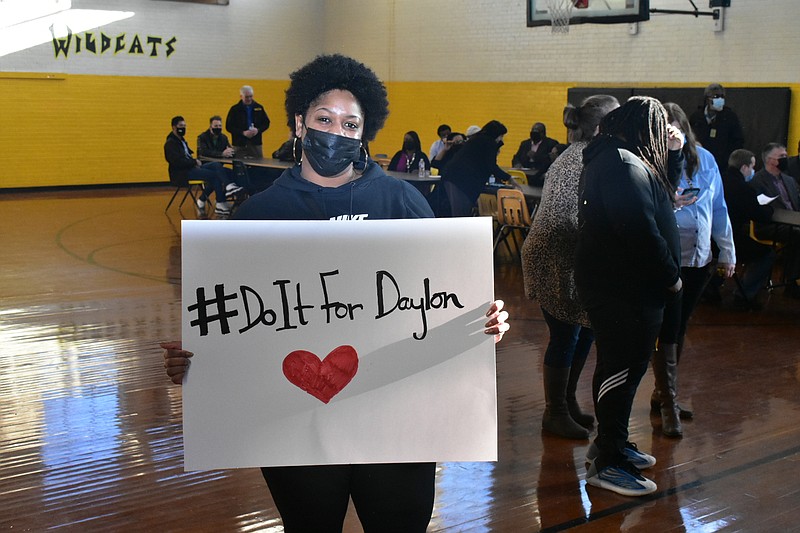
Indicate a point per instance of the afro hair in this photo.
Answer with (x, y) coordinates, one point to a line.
(328, 72)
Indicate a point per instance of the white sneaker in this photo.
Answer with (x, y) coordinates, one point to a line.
(222, 210)
(232, 188)
(201, 204)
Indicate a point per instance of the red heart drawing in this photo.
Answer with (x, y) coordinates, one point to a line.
(321, 379)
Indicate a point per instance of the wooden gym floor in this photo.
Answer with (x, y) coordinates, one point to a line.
(91, 426)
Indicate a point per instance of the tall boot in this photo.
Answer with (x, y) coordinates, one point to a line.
(584, 419)
(665, 369)
(655, 398)
(556, 418)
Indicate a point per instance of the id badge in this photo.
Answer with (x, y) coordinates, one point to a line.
(713, 133)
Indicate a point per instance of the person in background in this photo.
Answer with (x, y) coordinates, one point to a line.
(183, 167)
(627, 263)
(466, 174)
(441, 132)
(452, 145)
(247, 121)
(743, 207)
(793, 165)
(548, 262)
(214, 143)
(702, 215)
(407, 159)
(334, 103)
(773, 181)
(286, 151)
(472, 130)
(536, 154)
(716, 126)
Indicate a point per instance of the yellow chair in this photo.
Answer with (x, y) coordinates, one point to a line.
(776, 246)
(191, 186)
(518, 176)
(487, 207)
(513, 218)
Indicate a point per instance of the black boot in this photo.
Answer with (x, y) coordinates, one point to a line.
(556, 417)
(665, 369)
(584, 419)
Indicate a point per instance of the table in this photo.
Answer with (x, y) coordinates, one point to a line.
(532, 193)
(413, 177)
(263, 162)
(785, 216)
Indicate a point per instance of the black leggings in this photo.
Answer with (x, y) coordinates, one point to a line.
(680, 306)
(395, 497)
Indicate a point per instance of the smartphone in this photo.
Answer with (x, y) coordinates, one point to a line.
(691, 192)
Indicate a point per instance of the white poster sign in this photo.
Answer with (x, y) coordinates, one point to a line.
(320, 342)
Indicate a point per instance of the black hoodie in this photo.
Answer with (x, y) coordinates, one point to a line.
(373, 195)
(628, 243)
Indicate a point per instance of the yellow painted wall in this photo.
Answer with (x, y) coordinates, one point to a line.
(93, 130)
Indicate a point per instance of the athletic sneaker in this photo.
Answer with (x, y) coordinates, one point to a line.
(232, 188)
(201, 204)
(222, 210)
(638, 459)
(623, 479)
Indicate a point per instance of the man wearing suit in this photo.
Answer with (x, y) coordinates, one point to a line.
(535, 153)
(774, 182)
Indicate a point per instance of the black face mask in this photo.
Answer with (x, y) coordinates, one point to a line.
(783, 164)
(409, 146)
(536, 137)
(216, 131)
(500, 144)
(329, 154)
(181, 131)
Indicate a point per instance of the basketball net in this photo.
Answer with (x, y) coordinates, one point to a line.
(560, 11)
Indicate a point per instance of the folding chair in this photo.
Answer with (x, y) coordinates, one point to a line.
(513, 217)
(518, 176)
(190, 186)
(242, 178)
(776, 246)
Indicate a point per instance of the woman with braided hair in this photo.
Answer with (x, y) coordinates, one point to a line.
(627, 265)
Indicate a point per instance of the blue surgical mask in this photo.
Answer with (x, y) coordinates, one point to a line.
(717, 104)
(750, 175)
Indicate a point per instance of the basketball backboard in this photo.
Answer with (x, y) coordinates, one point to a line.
(592, 11)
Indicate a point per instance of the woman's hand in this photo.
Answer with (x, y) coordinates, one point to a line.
(497, 324)
(176, 360)
(726, 270)
(675, 138)
(682, 200)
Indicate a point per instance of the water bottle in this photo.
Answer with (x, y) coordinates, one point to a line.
(421, 168)
(491, 180)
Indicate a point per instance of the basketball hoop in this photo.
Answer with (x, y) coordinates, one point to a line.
(560, 11)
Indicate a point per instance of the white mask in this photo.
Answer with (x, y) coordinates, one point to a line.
(717, 104)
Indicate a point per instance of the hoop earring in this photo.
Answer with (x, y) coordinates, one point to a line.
(294, 152)
(362, 162)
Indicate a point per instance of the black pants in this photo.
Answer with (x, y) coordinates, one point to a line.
(680, 307)
(396, 497)
(625, 336)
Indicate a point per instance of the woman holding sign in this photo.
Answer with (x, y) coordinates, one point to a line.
(334, 103)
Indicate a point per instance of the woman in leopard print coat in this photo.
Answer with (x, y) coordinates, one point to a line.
(548, 257)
